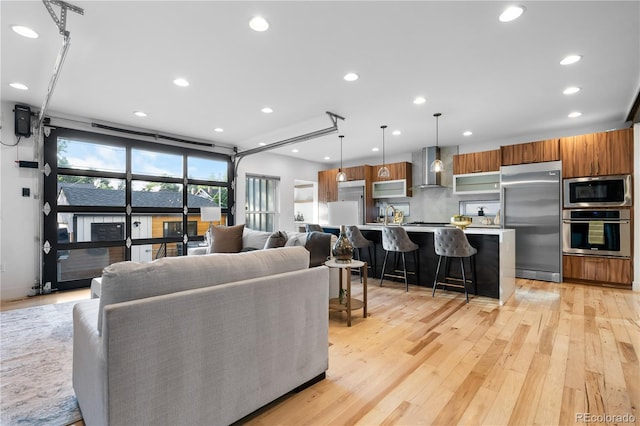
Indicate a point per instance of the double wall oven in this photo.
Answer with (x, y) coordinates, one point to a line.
(592, 225)
(597, 232)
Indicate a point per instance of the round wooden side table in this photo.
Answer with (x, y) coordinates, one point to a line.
(351, 303)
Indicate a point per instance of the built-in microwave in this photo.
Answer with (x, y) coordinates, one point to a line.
(602, 191)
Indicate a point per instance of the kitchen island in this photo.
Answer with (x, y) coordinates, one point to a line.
(495, 260)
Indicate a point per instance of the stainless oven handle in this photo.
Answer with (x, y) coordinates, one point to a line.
(596, 220)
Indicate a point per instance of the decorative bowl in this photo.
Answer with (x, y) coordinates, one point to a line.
(461, 221)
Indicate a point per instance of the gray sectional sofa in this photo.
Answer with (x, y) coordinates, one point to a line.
(200, 340)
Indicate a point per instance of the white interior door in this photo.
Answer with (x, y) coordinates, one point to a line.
(141, 228)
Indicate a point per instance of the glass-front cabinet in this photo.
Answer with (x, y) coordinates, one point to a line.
(477, 183)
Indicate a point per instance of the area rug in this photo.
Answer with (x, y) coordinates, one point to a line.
(35, 366)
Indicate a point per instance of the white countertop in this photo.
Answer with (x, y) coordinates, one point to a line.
(475, 230)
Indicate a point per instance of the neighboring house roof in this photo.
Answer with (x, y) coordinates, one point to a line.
(88, 195)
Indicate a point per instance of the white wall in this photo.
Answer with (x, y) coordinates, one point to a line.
(288, 169)
(636, 218)
(19, 216)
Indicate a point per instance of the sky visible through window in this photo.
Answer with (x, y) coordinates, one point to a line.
(91, 156)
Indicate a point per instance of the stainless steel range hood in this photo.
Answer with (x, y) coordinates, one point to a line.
(429, 179)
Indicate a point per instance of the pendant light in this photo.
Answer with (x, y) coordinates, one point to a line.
(437, 165)
(383, 172)
(341, 176)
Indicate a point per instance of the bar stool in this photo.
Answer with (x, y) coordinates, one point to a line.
(452, 242)
(395, 239)
(358, 241)
(310, 227)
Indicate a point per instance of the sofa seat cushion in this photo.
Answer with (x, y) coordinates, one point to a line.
(125, 281)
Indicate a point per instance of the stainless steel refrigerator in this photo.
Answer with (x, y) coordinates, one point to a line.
(531, 204)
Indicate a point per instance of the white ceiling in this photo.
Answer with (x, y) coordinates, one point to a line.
(503, 81)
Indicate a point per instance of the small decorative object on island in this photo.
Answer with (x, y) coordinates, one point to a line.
(342, 250)
(460, 221)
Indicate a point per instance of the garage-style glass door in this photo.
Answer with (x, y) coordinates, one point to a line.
(109, 199)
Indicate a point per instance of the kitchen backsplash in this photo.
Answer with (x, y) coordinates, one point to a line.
(439, 204)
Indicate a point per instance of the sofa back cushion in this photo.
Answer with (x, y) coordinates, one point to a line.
(319, 246)
(254, 239)
(227, 239)
(276, 239)
(132, 280)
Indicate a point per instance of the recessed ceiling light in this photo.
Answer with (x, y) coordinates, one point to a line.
(467, 133)
(351, 76)
(18, 86)
(218, 130)
(327, 158)
(267, 110)
(375, 149)
(258, 23)
(419, 100)
(24, 31)
(140, 113)
(262, 144)
(575, 114)
(571, 90)
(571, 59)
(295, 150)
(181, 82)
(396, 133)
(511, 13)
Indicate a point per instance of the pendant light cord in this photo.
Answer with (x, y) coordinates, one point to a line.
(341, 136)
(383, 160)
(437, 115)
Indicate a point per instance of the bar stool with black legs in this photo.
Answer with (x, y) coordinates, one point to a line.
(358, 241)
(450, 243)
(395, 239)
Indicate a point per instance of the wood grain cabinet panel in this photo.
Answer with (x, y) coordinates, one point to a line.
(531, 152)
(476, 162)
(597, 154)
(597, 269)
(355, 173)
(327, 185)
(398, 171)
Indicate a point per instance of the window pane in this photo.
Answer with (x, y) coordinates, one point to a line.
(207, 196)
(86, 263)
(88, 191)
(207, 169)
(153, 163)
(95, 226)
(201, 226)
(90, 156)
(260, 221)
(156, 194)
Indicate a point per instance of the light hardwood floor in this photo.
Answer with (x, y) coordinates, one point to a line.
(551, 353)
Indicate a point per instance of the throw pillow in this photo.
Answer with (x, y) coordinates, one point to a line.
(275, 240)
(227, 239)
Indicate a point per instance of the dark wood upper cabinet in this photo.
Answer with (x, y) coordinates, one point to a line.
(530, 152)
(597, 154)
(476, 162)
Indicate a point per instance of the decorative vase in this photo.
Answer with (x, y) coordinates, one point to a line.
(342, 250)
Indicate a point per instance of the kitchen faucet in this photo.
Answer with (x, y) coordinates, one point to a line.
(386, 213)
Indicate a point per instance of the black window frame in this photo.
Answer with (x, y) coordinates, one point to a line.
(50, 195)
